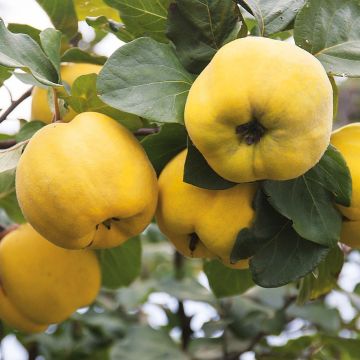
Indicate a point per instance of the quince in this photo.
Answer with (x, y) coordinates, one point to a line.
(42, 284)
(347, 141)
(262, 109)
(202, 223)
(87, 183)
(40, 109)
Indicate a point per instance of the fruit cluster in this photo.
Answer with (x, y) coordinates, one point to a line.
(262, 109)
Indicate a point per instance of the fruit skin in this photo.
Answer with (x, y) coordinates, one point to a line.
(41, 283)
(347, 141)
(270, 82)
(216, 216)
(73, 177)
(40, 109)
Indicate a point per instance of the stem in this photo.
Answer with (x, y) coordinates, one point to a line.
(14, 104)
(56, 106)
(146, 131)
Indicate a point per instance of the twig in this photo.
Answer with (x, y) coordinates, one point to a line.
(56, 106)
(146, 131)
(14, 104)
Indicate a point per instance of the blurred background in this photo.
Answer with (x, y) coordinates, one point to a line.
(229, 328)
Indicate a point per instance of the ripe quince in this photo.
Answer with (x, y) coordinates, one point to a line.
(202, 223)
(42, 284)
(347, 141)
(86, 183)
(262, 109)
(40, 109)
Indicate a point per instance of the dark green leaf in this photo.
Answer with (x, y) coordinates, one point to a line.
(323, 279)
(11, 206)
(198, 172)
(335, 40)
(5, 73)
(273, 16)
(84, 98)
(143, 17)
(25, 29)
(146, 78)
(143, 342)
(120, 266)
(21, 51)
(225, 281)
(51, 43)
(312, 208)
(199, 29)
(76, 55)
(285, 258)
(110, 26)
(28, 130)
(62, 14)
(164, 145)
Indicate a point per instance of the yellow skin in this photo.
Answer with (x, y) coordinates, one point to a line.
(268, 82)
(41, 283)
(87, 183)
(215, 216)
(347, 141)
(40, 109)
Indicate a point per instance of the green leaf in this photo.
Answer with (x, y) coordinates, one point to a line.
(106, 25)
(28, 130)
(76, 55)
(25, 29)
(85, 8)
(273, 16)
(120, 266)
(143, 17)
(62, 15)
(146, 78)
(312, 208)
(51, 43)
(323, 279)
(335, 40)
(5, 73)
(163, 146)
(11, 206)
(198, 172)
(143, 342)
(225, 281)
(84, 98)
(199, 29)
(21, 51)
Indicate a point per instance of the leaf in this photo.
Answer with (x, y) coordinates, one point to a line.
(120, 266)
(308, 199)
(165, 145)
(76, 55)
(145, 78)
(51, 43)
(21, 51)
(273, 16)
(62, 15)
(198, 172)
(285, 258)
(5, 73)
(225, 281)
(28, 130)
(335, 40)
(143, 342)
(85, 8)
(323, 279)
(25, 29)
(143, 17)
(84, 98)
(11, 206)
(199, 29)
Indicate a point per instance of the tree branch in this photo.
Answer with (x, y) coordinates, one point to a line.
(14, 104)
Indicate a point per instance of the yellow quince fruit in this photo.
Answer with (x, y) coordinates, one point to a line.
(347, 141)
(202, 223)
(87, 183)
(262, 109)
(40, 109)
(42, 284)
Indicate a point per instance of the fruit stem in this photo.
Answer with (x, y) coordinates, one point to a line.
(56, 106)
